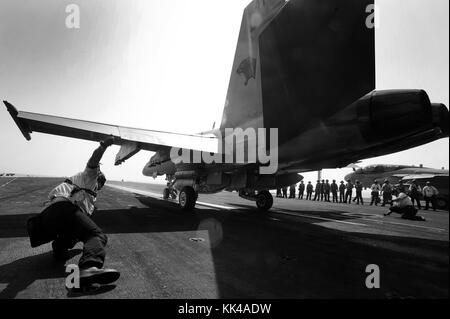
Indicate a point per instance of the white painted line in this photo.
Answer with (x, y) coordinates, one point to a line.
(135, 190)
(320, 218)
(9, 182)
(216, 206)
(409, 225)
(377, 221)
(159, 196)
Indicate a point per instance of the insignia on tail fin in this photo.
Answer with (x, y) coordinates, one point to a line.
(247, 69)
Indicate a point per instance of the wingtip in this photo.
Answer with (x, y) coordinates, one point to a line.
(20, 124)
(11, 109)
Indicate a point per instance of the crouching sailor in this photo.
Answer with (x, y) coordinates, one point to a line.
(66, 221)
(404, 206)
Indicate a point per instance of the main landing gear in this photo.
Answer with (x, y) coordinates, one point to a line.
(187, 198)
(441, 203)
(263, 199)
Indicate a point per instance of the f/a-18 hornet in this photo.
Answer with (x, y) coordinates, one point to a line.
(301, 97)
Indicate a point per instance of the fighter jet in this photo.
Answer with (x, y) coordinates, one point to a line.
(302, 89)
(396, 173)
(393, 173)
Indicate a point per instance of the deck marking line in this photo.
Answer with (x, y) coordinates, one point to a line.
(159, 196)
(321, 218)
(402, 224)
(9, 182)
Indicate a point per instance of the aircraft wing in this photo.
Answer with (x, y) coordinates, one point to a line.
(131, 139)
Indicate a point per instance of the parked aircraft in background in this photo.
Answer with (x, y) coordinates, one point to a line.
(438, 181)
(396, 173)
(393, 173)
(303, 67)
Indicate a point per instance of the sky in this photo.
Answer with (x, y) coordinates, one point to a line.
(165, 65)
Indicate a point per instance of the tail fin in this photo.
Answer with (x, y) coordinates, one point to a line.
(243, 105)
(298, 62)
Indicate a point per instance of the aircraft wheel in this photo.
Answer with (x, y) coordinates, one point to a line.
(264, 200)
(166, 193)
(187, 198)
(441, 203)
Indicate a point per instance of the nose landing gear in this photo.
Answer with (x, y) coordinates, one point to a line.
(169, 191)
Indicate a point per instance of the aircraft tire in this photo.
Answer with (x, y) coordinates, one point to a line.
(264, 201)
(187, 198)
(166, 193)
(441, 203)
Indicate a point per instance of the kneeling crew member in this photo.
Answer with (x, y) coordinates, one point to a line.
(404, 206)
(67, 221)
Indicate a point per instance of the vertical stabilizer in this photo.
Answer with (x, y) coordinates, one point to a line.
(299, 62)
(243, 105)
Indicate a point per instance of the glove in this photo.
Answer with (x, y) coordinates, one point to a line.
(107, 142)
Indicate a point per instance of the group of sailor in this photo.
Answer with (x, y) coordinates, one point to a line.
(343, 193)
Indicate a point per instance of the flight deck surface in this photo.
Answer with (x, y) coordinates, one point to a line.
(227, 249)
